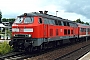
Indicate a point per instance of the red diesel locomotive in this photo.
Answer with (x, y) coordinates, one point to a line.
(33, 31)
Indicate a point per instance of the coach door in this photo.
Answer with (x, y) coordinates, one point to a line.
(86, 31)
(74, 31)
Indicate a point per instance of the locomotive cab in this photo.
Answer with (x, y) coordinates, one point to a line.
(26, 31)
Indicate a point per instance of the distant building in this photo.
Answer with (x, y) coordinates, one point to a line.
(8, 24)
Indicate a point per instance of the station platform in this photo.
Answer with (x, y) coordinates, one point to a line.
(85, 57)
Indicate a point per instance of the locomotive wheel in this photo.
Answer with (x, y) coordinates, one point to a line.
(15, 48)
(40, 48)
(30, 49)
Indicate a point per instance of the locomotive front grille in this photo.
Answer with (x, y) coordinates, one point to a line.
(22, 35)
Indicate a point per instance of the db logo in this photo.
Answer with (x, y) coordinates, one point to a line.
(21, 30)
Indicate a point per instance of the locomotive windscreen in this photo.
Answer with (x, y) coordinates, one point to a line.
(19, 20)
(26, 20)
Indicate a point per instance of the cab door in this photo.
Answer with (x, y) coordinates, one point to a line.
(45, 30)
(45, 26)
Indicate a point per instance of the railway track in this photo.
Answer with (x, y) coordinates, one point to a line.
(13, 56)
(75, 55)
(61, 53)
(68, 52)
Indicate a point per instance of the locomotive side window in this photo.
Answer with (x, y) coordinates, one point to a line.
(59, 22)
(28, 20)
(46, 21)
(51, 32)
(40, 20)
(53, 22)
(68, 24)
(50, 21)
(72, 25)
(65, 31)
(56, 22)
(75, 25)
(65, 24)
(56, 31)
(69, 31)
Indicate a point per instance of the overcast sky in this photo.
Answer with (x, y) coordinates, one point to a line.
(68, 9)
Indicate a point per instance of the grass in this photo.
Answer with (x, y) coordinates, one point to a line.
(5, 48)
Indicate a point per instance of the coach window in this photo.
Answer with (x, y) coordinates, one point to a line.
(85, 29)
(88, 30)
(40, 20)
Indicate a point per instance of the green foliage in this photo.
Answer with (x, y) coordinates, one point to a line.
(5, 48)
(8, 33)
(79, 21)
(8, 20)
(82, 22)
(87, 23)
(0, 14)
(4, 20)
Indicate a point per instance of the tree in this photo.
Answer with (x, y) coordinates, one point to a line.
(8, 33)
(82, 22)
(8, 20)
(87, 23)
(4, 20)
(0, 16)
(78, 21)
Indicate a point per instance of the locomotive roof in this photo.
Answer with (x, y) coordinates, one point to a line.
(46, 16)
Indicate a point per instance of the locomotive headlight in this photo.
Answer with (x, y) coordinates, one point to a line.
(29, 35)
(15, 30)
(14, 34)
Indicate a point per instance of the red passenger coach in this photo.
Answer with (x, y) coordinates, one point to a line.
(84, 30)
(40, 30)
